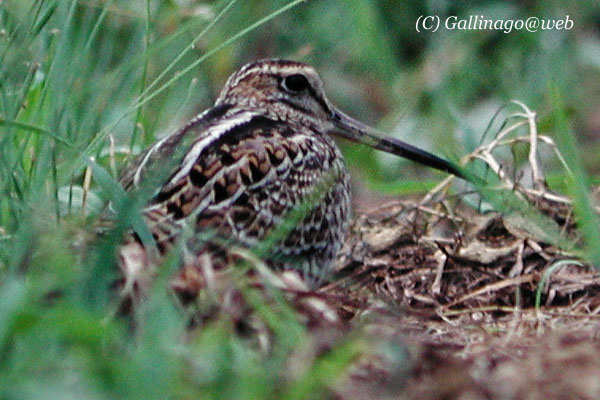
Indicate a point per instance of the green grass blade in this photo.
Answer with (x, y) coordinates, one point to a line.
(35, 129)
(578, 184)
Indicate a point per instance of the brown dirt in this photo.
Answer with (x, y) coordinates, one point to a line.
(450, 299)
(460, 303)
(458, 294)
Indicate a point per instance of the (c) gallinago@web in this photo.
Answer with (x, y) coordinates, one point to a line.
(264, 148)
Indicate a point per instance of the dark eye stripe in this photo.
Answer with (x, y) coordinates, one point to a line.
(291, 104)
(308, 87)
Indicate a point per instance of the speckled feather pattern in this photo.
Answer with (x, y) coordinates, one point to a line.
(248, 162)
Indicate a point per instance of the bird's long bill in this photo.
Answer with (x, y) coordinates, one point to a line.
(351, 129)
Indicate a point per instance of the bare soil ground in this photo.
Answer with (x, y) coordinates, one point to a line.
(463, 304)
(483, 305)
(461, 294)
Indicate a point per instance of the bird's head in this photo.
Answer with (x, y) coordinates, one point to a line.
(293, 92)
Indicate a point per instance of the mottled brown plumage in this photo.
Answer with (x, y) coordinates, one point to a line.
(240, 168)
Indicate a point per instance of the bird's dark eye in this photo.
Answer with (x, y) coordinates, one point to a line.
(295, 83)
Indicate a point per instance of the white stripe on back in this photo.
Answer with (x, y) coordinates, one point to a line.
(212, 134)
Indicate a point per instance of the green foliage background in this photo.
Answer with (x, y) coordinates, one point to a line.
(76, 75)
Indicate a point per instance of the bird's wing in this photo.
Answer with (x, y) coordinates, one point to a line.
(241, 180)
(164, 156)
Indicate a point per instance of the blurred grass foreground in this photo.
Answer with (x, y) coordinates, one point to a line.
(101, 80)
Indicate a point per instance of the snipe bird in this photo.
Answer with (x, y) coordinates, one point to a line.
(264, 149)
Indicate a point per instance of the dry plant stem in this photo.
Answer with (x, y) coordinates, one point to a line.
(87, 181)
(539, 250)
(517, 268)
(485, 153)
(208, 271)
(491, 288)
(438, 240)
(436, 287)
(111, 155)
(440, 188)
(537, 175)
(541, 138)
(259, 265)
(439, 214)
